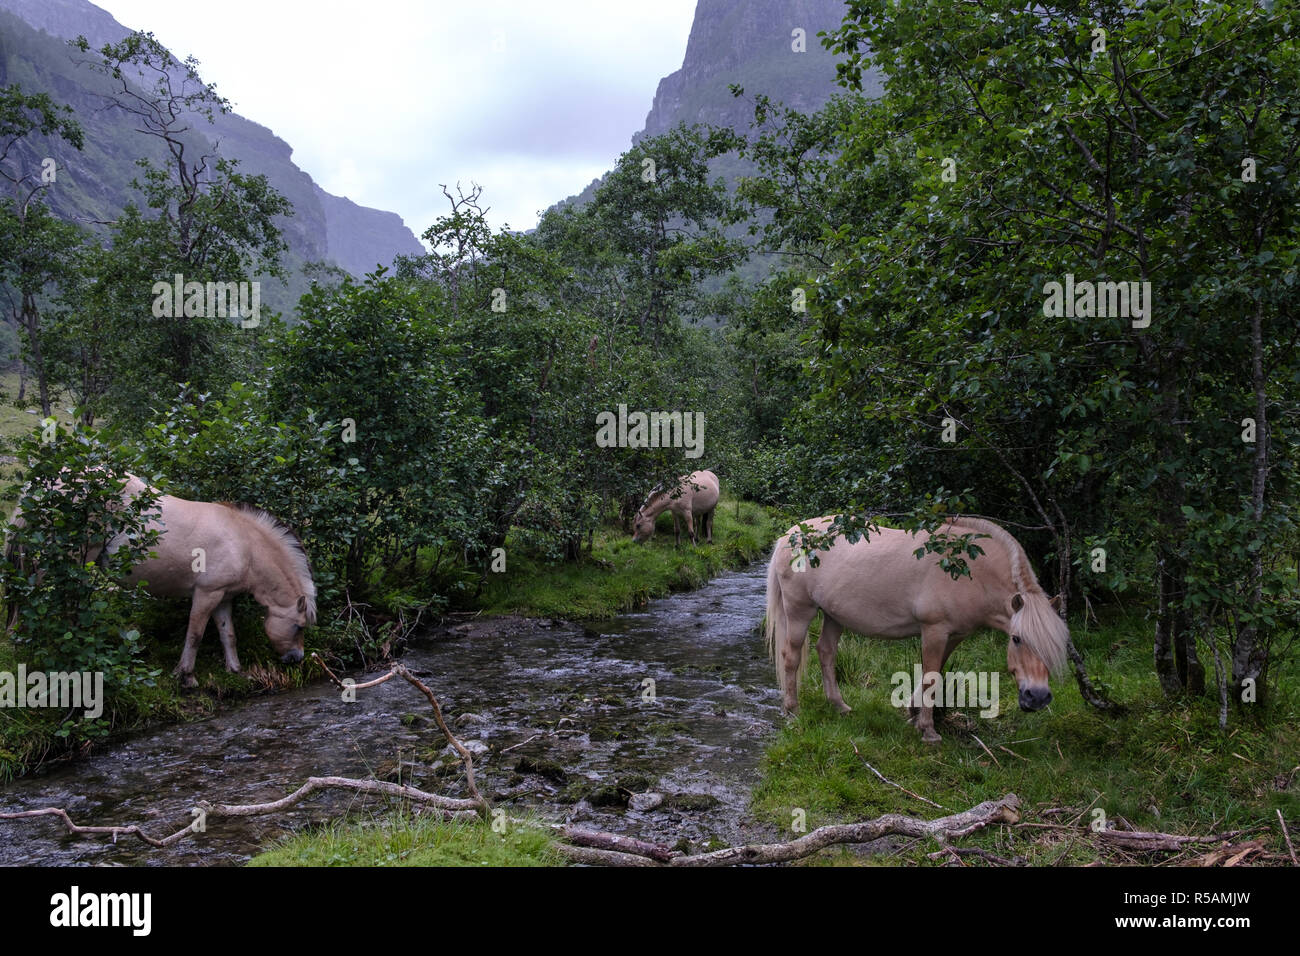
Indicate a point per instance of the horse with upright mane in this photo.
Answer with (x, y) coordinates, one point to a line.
(876, 586)
(695, 496)
(212, 551)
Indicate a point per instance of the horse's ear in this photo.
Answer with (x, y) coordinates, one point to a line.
(1017, 602)
(302, 604)
(1056, 603)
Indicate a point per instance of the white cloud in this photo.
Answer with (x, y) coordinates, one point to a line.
(382, 101)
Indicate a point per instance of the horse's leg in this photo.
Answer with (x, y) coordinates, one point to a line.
(677, 532)
(200, 610)
(226, 631)
(797, 619)
(690, 527)
(934, 646)
(827, 645)
(712, 511)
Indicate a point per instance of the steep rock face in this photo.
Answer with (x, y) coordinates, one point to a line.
(750, 43)
(323, 226)
(68, 19)
(355, 233)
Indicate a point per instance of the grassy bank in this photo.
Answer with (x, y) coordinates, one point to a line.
(400, 839)
(1163, 766)
(620, 575)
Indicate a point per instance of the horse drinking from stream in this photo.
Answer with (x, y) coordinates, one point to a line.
(212, 551)
(877, 586)
(696, 496)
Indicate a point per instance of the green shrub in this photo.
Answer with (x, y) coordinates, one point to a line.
(68, 606)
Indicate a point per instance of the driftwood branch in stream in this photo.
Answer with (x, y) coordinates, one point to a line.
(399, 670)
(203, 811)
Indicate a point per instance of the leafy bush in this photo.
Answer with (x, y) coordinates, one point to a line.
(63, 589)
(231, 449)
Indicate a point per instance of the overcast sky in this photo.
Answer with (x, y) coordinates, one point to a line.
(385, 99)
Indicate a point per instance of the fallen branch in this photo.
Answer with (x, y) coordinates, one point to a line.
(638, 853)
(114, 832)
(954, 826)
(959, 852)
(338, 783)
(451, 807)
(399, 670)
(1142, 840)
(619, 844)
(593, 857)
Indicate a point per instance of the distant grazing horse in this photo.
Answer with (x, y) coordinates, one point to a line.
(878, 587)
(696, 496)
(211, 552)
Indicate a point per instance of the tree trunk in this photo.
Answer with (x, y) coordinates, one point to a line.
(1250, 652)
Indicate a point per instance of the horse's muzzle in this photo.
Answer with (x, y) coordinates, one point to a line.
(292, 657)
(1035, 698)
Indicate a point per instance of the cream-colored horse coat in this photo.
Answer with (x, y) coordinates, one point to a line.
(695, 497)
(876, 586)
(211, 552)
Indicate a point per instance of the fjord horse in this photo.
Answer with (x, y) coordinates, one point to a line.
(210, 552)
(877, 586)
(696, 496)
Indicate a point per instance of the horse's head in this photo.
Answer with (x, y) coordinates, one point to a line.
(285, 625)
(643, 527)
(1036, 648)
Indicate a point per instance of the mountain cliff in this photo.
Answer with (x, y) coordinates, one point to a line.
(750, 43)
(35, 54)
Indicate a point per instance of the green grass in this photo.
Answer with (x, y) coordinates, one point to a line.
(620, 575)
(399, 839)
(1165, 765)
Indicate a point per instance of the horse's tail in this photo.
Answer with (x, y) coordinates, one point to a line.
(775, 627)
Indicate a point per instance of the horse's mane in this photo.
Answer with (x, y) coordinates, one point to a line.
(659, 491)
(292, 546)
(1036, 621)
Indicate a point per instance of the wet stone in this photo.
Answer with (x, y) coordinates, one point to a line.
(645, 802)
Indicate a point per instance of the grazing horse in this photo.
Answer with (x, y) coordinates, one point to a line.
(876, 586)
(696, 496)
(210, 552)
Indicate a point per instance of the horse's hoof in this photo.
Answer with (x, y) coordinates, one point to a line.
(843, 708)
(188, 682)
(930, 737)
